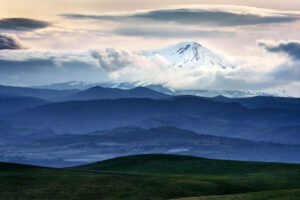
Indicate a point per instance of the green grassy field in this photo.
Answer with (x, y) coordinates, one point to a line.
(153, 177)
(270, 195)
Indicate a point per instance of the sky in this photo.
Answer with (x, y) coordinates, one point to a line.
(43, 42)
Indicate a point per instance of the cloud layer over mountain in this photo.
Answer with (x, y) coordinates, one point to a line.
(262, 71)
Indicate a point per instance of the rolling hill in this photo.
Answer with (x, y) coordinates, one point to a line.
(152, 177)
(46, 94)
(263, 102)
(80, 85)
(18, 103)
(115, 93)
(123, 141)
(177, 164)
(270, 195)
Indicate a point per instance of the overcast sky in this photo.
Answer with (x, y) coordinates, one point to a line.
(43, 42)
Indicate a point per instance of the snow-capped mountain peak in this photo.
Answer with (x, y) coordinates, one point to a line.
(190, 54)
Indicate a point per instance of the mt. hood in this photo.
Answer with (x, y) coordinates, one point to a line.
(189, 54)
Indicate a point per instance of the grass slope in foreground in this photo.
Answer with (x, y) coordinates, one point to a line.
(270, 195)
(152, 177)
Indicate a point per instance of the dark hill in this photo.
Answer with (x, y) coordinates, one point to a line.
(177, 164)
(47, 94)
(263, 102)
(115, 93)
(15, 104)
(152, 177)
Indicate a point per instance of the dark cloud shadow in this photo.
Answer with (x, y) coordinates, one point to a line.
(9, 42)
(291, 48)
(22, 24)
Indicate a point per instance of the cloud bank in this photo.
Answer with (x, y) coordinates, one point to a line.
(8, 41)
(201, 15)
(197, 21)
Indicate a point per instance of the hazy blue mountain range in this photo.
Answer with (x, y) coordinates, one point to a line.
(9, 104)
(96, 92)
(264, 102)
(65, 150)
(79, 85)
(65, 127)
(198, 114)
(99, 92)
(46, 94)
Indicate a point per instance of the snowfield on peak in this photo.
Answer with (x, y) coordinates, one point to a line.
(189, 54)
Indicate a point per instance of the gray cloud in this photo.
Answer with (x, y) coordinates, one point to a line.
(9, 42)
(196, 16)
(112, 59)
(291, 48)
(170, 32)
(22, 24)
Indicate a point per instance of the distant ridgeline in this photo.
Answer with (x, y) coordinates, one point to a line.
(78, 126)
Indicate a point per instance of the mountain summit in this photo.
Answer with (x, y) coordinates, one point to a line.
(190, 54)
